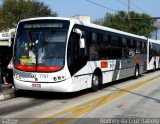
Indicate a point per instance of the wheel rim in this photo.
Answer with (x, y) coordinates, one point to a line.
(95, 80)
(137, 73)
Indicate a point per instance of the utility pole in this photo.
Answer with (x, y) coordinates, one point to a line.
(129, 17)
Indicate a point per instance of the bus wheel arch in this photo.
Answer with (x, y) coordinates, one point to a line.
(97, 80)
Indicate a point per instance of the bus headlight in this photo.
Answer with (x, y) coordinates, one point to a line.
(17, 76)
(58, 78)
(55, 79)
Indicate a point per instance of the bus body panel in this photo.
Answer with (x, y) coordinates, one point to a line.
(40, 77)
(153, 60)
(63, 86)
(153, 54)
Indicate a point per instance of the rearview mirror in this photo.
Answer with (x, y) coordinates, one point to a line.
(82, 43)
(78, 31)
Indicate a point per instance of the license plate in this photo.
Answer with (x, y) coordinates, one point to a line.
(36, 85)
(39, 76)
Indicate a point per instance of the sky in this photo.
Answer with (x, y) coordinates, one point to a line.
(69, 8)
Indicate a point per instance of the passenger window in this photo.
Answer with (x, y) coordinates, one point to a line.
(94, 48)
(124, 42)
(131, 44)
(106, 41)
(125, 49)
(94, 38)
(115, 41)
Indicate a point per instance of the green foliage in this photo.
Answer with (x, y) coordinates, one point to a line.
(120, 21)
(12, 11)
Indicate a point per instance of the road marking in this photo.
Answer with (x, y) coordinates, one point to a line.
(74, 112)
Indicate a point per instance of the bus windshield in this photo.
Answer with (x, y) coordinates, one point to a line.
(40, 45)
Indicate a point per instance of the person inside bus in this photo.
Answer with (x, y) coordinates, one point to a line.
(41, 53)
(32, 54)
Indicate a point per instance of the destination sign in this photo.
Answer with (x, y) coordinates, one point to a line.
(44, 25)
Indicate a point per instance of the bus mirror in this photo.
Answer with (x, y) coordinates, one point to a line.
(82, 43)
(78, 31)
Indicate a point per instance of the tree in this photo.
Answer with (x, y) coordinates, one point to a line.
(120, 21)
(12, 11)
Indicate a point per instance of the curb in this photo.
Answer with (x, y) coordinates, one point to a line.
(6, 96)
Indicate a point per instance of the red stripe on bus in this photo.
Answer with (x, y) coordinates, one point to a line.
(48, 68)
(39, 68)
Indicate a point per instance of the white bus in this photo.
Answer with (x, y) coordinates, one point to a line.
(4, 36)
(153, 54)
(68, 55)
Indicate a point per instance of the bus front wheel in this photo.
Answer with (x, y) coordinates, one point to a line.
(17, 92)
(95, 82)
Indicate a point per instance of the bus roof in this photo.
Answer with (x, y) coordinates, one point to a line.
(154, 41)
(72, 20)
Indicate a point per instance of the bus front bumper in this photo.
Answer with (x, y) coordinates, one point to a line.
(63, 86)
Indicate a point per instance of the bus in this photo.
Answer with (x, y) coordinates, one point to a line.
(67, 55)
(153, 55)
(4, 36)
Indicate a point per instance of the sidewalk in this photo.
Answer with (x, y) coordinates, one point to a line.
(7, 92)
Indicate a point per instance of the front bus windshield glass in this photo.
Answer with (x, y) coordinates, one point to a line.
(40, 45)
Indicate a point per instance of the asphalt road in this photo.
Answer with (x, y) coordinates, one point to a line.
(128, 101)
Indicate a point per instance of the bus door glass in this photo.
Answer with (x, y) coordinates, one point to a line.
(75, 55)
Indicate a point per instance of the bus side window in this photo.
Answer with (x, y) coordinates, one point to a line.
(131, 45)
(140, 44)
(125, 49)
(94, 46)
(115, 47)
(105, 52)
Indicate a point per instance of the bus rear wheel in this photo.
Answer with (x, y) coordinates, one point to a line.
(95, 82)
(136, 73)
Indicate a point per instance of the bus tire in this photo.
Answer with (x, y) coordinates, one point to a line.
(17, 93)
(136, 73)
(95, 82)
